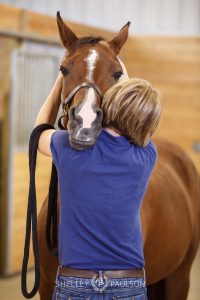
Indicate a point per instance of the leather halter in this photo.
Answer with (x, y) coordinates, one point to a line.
(67, 101)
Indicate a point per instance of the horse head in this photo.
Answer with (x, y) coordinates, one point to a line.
(89, 67)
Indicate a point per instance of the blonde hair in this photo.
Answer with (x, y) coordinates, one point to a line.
(133, 107)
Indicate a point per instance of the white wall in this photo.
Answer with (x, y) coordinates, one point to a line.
(150, 17)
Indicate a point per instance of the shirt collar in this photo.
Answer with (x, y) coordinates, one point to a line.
(116, 140)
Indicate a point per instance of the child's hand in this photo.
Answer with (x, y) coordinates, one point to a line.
(60, 75)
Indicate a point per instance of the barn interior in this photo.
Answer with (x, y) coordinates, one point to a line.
(163, 47)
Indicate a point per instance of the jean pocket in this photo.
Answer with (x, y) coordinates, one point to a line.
(71, 296)
(141, 296)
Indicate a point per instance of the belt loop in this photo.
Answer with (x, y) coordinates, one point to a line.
(58, 271)
(144, 275)
(56, 280)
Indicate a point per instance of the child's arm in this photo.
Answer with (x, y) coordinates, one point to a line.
(47, 114)
(44, 142)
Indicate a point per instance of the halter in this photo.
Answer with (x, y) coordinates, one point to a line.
(65, 103)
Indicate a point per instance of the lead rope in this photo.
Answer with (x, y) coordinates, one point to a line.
(31, 221)
(51, 222)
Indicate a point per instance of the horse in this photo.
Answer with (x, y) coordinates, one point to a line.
(170, 213)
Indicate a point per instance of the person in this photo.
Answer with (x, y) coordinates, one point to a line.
(101, 192)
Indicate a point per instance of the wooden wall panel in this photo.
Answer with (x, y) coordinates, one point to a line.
(171, 17)
(25, 22)
(6, 46)
(10, 17)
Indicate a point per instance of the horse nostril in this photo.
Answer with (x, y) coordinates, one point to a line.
(72, 112)
(73, 115)
(84, 135)
(85, 131)
(99, 113)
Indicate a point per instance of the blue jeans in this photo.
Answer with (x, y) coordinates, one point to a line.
(99, 288)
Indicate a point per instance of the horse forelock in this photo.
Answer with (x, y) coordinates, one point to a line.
(87, 40)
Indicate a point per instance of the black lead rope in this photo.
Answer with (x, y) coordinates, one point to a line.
(31, 221)
(51, 222)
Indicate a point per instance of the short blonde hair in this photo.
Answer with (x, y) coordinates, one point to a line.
(133, 107)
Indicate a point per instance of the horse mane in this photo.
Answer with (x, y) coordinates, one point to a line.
(87, 40)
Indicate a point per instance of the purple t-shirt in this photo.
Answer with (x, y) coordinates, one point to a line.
(101, 191)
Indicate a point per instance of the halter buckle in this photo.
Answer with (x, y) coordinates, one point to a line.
(65, 108)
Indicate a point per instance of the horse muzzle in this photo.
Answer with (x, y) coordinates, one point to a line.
(83, 141)
(84, 121)
(80, 145)
(81, 138)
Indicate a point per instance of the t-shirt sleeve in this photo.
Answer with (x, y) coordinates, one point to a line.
(145, 158)
(152, 152)
(54, 148)
(144, 162)
(59, 141)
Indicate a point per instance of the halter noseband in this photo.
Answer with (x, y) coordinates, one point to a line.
(67, 101)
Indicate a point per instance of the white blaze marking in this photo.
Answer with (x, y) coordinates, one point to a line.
(91, 62)
(86, 112)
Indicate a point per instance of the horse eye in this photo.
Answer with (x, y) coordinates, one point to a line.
(64, 71)
(117, 75)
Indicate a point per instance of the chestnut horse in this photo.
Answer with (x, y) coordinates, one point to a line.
(171, 207)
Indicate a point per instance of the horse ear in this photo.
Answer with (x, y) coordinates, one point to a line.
(119, 40)
(67, 36)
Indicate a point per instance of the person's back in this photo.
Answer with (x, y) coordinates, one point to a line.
(101, 191)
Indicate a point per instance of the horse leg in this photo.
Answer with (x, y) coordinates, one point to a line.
(45, 290)
(173, 287)
(156, 291)
(177, 283)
